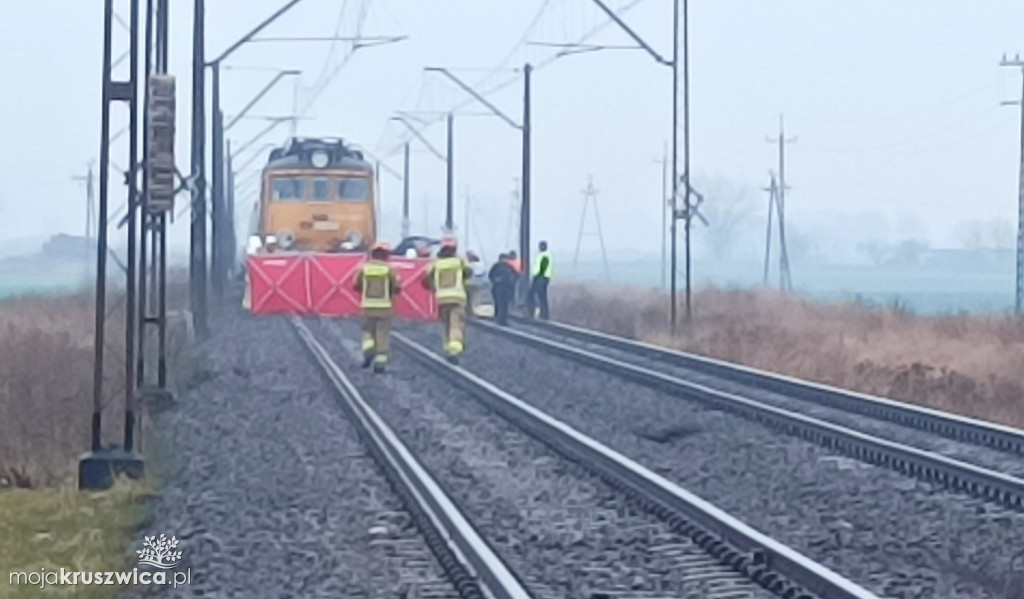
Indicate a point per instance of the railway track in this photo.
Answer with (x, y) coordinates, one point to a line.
(466, 559)
(991, 475)
(486, 459)
(951, 426)
(894, 534)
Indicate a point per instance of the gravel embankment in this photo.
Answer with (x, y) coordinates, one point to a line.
(267, 486)
(985, 457)
(563, 531)
(896, 536)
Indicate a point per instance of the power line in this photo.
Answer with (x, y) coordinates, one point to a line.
(487, 91)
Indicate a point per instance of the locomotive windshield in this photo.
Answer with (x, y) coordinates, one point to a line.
(352, 189)
(289, 188)
(321, 190)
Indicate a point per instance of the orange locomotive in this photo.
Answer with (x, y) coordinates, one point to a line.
(317, 195)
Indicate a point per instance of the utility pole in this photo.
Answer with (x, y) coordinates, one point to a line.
(677, 214)
(90, 200)
(513, 210)
(197, 250)
(686, 143)
(590, 196)
(159, 187)
(96, 469)
(231, 243)
(378, 201)
(465, 216)
(449, 215)
(405, 195)
(768, 235)
(524, 204)
(785, 279)
(1019, 283)
(221, 223)
(786, 284)
(664, 208)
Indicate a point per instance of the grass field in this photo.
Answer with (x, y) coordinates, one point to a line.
(54, 528)
(47, 283)
(46, 382)
(968, 365)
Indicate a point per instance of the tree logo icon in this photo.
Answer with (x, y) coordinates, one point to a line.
(160, 552)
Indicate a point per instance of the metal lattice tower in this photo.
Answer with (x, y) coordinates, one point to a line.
(590, 197)
(785, 279)
(785, 283)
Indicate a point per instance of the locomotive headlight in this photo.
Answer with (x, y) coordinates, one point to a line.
(254, 245)
(285, 239)
(320, 159)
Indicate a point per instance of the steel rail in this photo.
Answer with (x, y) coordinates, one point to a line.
(952, 426)
(978, 482)
(768, 562)
(449, 534)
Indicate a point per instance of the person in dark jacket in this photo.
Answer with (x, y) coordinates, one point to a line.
(503, 285)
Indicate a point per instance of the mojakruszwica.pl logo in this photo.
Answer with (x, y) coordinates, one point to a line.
(160, 553)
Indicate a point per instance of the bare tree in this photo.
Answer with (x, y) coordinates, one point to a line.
(728, 208)
(996, 233)
(1002, 234)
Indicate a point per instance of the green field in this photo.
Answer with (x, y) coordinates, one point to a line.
(18, 283)
(926, 290)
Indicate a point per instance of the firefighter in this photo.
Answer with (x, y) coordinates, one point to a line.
(542, 271)
(377, 284)
(503, 287)
(447, 279)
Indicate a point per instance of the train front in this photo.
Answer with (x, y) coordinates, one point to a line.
(315, 219)
(317, 196)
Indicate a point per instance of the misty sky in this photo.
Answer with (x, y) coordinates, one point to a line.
(896, 106)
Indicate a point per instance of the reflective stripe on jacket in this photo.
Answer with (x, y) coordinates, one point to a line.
(376, 288)
(449, 279)
(549, 267)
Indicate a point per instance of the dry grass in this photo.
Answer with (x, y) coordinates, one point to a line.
(61, 528)
(969, 365)
(46, 378)
(46, 372)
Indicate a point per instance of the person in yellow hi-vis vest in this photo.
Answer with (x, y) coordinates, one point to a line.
(377, 284)
(447, 279)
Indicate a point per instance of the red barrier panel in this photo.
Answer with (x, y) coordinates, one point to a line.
(278, 284)
(415, 302)
(332, 284)
(324, 285)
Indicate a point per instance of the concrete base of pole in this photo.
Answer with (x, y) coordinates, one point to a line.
(155, 398)
(97, 470)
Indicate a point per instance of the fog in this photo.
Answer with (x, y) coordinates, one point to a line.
(895, 106)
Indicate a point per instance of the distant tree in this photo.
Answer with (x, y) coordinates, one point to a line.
(995, 234)
(1002, 234)
(800, 245)
(875, 251)
(908, 252)
(728, 207)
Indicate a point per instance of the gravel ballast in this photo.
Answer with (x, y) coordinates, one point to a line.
(268, 487)
(896, 536)
(563, 531)
(984, 457)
